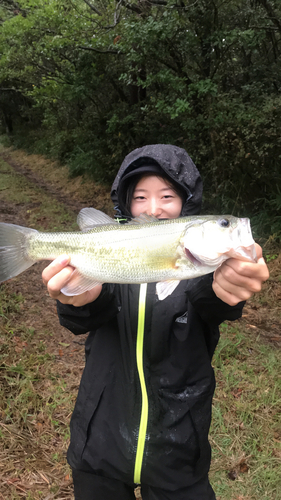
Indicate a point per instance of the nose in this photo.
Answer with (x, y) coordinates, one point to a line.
(154, 208)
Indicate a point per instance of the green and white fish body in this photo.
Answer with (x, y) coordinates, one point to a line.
(141, 251)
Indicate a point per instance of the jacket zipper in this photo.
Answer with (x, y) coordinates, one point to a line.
(144, 408)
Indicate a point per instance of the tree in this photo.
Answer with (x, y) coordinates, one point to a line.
(104, 77)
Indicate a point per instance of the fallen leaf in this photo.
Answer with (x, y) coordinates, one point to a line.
(244, 468)
(233, 474)
(39, 426)
(237, 392)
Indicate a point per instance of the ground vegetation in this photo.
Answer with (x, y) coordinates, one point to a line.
(41, 363)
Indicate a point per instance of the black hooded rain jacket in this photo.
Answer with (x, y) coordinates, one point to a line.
(180, 336)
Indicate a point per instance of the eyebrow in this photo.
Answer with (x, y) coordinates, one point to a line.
(168, 188)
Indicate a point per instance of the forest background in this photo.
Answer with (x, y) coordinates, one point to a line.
(84, 82)
(87, 81)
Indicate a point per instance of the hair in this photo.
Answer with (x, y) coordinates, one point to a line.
(134, 180)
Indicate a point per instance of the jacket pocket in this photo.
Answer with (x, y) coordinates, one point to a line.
(181, 327)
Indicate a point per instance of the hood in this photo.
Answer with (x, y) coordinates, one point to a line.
(175, 162)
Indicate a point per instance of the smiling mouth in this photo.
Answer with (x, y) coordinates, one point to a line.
(192, 258)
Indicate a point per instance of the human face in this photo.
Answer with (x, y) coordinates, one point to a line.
(155, 196)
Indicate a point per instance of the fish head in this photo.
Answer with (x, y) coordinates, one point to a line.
(213, 239)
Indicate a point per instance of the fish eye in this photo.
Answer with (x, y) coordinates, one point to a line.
(224, 222)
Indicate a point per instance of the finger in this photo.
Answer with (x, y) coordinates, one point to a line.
(243, 288)
(258, 250)
(240, 292)
(255, 271)
(64, 299)
(56, 266)
(235, 283)
(58, 281)
(82, 299)
(229, 298)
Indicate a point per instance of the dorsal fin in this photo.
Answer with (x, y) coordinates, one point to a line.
(144, 219)
(88, 218)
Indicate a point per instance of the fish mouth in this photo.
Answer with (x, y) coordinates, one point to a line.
(192, 258)
(244, 253)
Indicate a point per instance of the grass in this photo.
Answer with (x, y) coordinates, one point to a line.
(35, 404)
(82, 189)
(41, 211)
(246, 430)
(37, 386)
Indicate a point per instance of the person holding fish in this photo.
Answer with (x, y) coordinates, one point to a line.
(143, 410)
(162, 284)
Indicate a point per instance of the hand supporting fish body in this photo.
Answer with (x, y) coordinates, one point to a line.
(144, 250)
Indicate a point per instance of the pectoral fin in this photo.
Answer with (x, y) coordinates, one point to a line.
(78, 284)
(165, 288)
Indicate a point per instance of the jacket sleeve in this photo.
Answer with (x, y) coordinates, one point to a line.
(204, 300)
(91, 316)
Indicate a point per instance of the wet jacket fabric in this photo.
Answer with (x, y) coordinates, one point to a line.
(180, 336)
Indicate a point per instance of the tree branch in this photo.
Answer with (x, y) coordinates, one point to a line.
(267, 28)
(2, 89)
(92, 7)
(132, 7)
(108, 51)
(271, 14)
(13, 7)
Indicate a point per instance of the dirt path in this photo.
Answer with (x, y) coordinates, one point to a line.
(28, 283)
(29, 440)
(39, 181)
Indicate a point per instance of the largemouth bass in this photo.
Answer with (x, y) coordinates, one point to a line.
(141, 251)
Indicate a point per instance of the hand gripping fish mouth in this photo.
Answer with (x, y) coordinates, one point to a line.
(215, 241)
(243, 243)
(242, 253)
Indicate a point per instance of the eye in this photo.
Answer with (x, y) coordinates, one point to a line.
(224, 222)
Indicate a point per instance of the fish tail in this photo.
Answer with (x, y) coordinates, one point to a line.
(14, 257)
